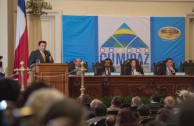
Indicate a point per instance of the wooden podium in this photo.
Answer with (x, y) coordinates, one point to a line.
(54, 74)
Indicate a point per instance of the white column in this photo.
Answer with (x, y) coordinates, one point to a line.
(4, 32)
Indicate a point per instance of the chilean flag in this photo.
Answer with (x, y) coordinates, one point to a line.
(21, 50)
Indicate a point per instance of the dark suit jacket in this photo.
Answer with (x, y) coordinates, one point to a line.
(36, 55)
(2, 75)
(162, 71)
(103, 70)
(71, 70)
(128, 71)
(155, 106)
(95, 119)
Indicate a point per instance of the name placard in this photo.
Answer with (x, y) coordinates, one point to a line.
(148, 73)
(89, 73)
(180, 73)
(115, 74)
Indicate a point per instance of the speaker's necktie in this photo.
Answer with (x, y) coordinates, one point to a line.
(43, 56)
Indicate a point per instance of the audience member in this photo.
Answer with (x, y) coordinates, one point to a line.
(169, 102)
(165, 115)
(9, 96)
(134, 68)
(92, 106)
(126, 118)
(186, 114)
(155, 102)
(94, 103)
(181, 97)
(155, 123)
(33, 87)
(9, 90)
(37, 101)
(110, 120)
(64, 113)
(115, 104)
(135, 102)
(84, 100)
(144, 113)
(100, 113)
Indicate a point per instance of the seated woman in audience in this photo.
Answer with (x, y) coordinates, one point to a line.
(134, 68)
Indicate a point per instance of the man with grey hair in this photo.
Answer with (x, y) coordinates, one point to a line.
(92, 106)
(135, 103)
(94, 103)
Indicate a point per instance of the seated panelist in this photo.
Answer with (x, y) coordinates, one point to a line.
(168, 69)
(107, 68)
(41, 55)
(75, 68)
(134, 68)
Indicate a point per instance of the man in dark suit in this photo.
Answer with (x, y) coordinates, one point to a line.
(74, 67)
(107, 68)
(169, 69)
(41, 55)
(100, 114)
(155, 102)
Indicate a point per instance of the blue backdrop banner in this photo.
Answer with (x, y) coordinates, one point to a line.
(80, 38)
(168, 39)
(149, 39)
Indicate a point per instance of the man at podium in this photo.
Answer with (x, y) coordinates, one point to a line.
(41, 55)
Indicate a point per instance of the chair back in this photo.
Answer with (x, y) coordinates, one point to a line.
(97, 66)
(158, 65)
(125, 66)
(188, 67)
(70, 65)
